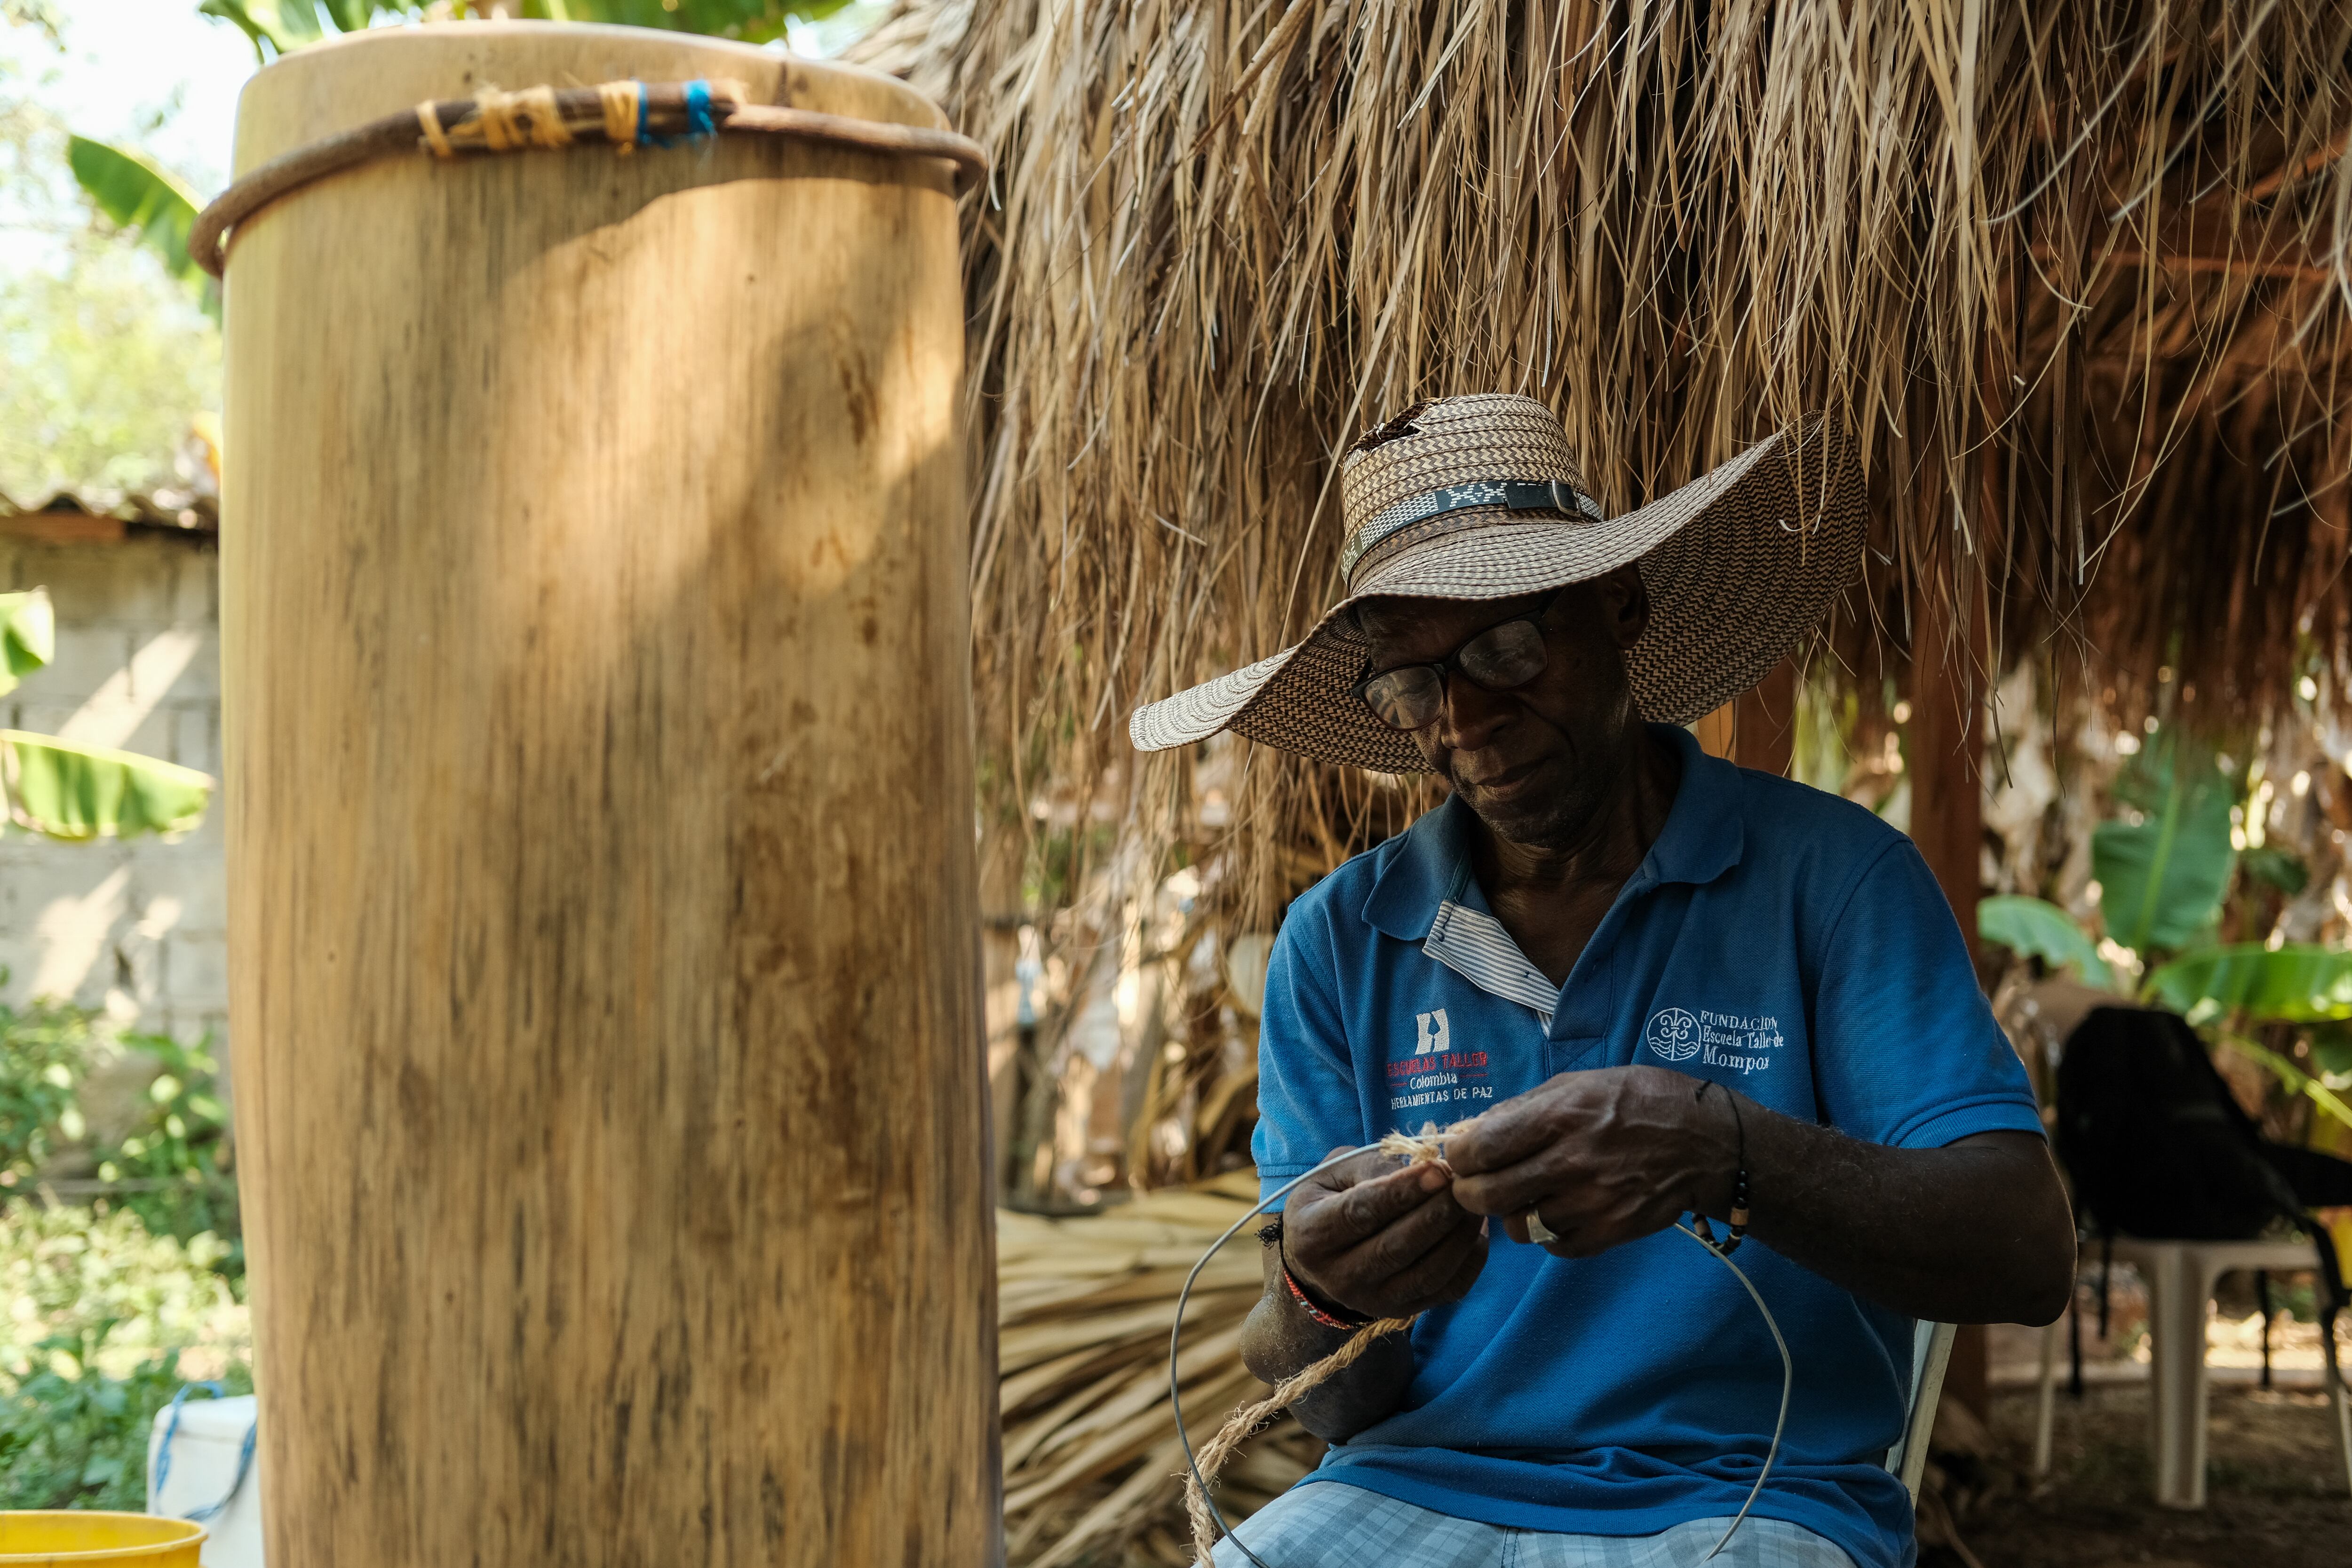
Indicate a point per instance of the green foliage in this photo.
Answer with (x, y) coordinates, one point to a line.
(2297, 983)
(2331, 1052)
(2281, 868)
(173, 1164)
(2296, 1081)
(171, 1167)
(76, 794)
(141, 197)
(28, 636)
(104, 1320)
(2038, 929)
(103, 365)
(102, 1317)
(99, 1275)
(279, 27)
(72, 1436)
(44, 1050)
(2164, 867)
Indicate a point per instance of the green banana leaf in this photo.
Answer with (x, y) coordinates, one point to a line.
(2162, 877)
(136, 194)
(2038, 929)
(2296, 1081)
(28, 636)
(2281, 868)
(76, 794)
(280, 27)
(2299, 983)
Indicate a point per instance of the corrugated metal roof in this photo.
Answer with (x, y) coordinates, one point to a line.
(67, 518)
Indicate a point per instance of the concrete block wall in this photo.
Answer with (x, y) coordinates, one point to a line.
(139, 929)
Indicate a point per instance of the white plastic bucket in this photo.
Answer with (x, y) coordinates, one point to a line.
(200, 1466)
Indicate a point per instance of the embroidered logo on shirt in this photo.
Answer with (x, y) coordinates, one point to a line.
(1740, 1041)
(1672, 1033)
(1436, 1074)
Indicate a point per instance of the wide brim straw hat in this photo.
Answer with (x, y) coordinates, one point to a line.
(1481, 497)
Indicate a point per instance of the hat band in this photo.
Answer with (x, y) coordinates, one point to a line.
(1512, 495)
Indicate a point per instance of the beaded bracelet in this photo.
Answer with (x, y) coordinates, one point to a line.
(1738, 1179)
(1334, 1317)
(1330, 1318)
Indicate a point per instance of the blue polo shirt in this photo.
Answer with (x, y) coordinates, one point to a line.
(1776, 939)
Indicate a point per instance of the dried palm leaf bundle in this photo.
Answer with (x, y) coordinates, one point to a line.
(1091, 1461)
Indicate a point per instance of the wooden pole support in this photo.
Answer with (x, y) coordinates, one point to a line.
(1948, 695)
(1764, 721)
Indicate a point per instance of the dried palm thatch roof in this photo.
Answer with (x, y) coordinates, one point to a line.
(2077, 273)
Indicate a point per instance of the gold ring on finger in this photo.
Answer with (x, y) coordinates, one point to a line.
(1539, 1233)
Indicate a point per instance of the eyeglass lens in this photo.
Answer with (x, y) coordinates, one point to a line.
(1500, 659)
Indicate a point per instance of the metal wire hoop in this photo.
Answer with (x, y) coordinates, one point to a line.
(1183, 1297)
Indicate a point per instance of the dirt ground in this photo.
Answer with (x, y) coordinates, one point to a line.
(2276, 1487)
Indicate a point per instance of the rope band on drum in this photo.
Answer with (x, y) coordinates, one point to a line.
(625, 114)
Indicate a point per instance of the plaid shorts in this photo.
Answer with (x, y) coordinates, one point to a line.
(1330, 1524)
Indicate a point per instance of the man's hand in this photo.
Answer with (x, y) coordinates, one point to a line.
(1977, 1231)
(1602, 1157)
(1380, 1241)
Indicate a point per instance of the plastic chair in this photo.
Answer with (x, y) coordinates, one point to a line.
(2181, 1277)
(1931, 1352)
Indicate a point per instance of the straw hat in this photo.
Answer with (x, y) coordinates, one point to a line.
(1481, 498)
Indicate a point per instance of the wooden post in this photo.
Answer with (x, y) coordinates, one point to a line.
(1947, 694)
(603, 948)
(1715, 731)
(1764, 721)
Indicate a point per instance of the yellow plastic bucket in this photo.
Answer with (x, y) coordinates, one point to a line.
(37, 1537)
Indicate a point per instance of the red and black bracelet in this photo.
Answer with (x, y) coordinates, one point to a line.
(1333, 1317)
(1328, 1314)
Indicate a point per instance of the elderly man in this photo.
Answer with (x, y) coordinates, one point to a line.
(1639, 984)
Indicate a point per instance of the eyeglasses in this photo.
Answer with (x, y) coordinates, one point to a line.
(1505, 655)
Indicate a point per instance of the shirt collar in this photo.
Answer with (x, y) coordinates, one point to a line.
(1702, 839)
(1704, 834)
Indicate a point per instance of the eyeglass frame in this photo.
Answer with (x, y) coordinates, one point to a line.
(1452, 662)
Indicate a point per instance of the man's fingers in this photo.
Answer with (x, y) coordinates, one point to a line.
(1398, 1246)
(1514, 1188)
(1364, 1167)
(1504, 1134)
(1372, 1206)
(1466, 1272)
(1426, 1275)
(1439, 1277)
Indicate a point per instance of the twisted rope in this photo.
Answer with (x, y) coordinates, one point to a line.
(1426, 1147)
(623, 106)
(1249, 1418)
(625, 114)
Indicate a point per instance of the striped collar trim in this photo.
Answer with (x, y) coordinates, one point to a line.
(1474, 946)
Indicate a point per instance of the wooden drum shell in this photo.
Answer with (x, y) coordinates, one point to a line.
(604, 1019)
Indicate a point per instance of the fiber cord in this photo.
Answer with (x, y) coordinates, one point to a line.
(1184, 1296)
